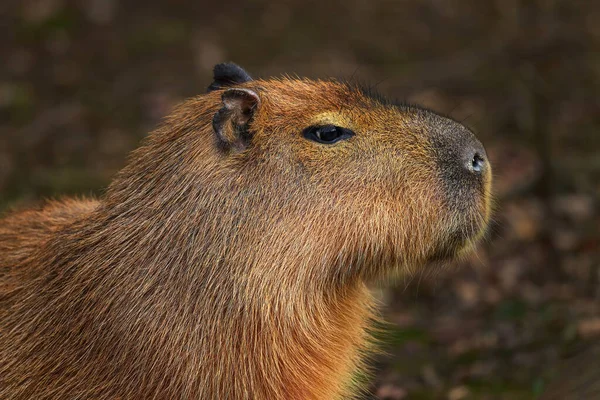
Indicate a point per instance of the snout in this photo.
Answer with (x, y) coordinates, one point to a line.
(465, 173)
(462, 161)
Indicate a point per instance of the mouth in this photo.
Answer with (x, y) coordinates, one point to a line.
(461, 240)
(449, 249)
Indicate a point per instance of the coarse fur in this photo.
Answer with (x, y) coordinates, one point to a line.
(230, 259)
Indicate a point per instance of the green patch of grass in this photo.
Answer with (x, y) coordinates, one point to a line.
(424, 394)
(62, 20)
(511, 309)
(500, 389)
(468, 357)
(537, 387)
(20, 102)
(399, 336)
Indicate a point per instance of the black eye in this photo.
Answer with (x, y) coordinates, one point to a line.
(327, 134)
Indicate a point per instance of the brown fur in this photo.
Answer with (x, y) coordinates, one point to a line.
(212, 273)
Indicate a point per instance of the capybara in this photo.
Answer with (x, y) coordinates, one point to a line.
(231, 257)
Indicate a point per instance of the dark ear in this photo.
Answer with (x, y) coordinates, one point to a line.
(231, 122)
(228, 74)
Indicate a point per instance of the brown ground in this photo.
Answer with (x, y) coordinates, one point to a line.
(82, 81)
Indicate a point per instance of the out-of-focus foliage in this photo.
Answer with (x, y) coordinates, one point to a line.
(81, 82)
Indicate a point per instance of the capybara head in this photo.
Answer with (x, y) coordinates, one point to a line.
(319, 171)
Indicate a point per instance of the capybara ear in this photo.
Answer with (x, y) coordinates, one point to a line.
(228, 74)
(231, 122)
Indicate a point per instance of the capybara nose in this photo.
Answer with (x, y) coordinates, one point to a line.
(462, 160)
(474, 158)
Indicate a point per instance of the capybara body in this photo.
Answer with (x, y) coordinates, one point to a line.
(230, 258)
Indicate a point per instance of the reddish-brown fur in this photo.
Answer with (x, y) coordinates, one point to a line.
(227, 273)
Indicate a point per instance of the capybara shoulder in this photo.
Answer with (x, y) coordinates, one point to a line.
(22, 233)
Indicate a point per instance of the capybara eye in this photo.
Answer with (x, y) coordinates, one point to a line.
(327, 134)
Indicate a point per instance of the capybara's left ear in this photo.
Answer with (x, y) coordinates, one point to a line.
(228, 75)
(231, 122)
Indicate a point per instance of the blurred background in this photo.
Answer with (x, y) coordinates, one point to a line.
(82, 82)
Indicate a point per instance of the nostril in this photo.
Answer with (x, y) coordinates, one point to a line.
(477, 163)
